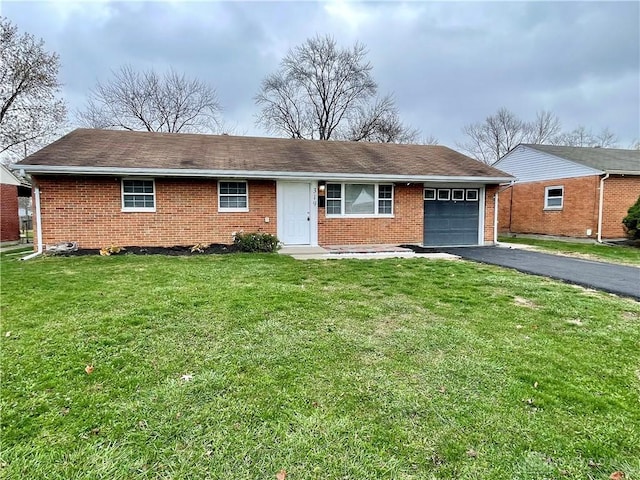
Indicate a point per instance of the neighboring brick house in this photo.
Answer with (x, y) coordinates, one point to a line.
(101, 187)
(568, 191)
(9, 219)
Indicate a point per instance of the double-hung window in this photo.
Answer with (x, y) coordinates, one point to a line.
(233, 196)
(138, 195)
(553, 198)
(359, 199)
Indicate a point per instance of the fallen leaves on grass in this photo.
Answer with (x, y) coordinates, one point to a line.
(187, 377)
(281, 475)
(89, 369)
(8, 334)
(618, 475)
(472, 453)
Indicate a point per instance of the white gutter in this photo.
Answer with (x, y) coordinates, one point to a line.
(600, 207)
(249, 174)
(38, 226)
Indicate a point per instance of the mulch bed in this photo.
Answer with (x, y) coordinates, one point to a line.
(176, 250)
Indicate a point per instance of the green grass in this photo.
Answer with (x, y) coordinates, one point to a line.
(607, 253)
(344, 369)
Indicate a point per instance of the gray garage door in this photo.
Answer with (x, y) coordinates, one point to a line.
(451, 216)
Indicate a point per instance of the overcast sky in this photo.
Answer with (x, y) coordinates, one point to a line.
(448, 64)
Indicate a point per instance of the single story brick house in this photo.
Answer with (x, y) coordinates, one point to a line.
(102, 187)
(581, 192)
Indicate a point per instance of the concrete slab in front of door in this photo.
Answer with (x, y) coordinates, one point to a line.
(363, 252)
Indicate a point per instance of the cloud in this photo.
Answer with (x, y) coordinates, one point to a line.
(448, 64)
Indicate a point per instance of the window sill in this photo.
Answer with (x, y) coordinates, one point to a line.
(232, 210)
(552, 209)
(138, 210)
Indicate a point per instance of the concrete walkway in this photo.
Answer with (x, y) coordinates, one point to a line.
(619, 279)
(364, 252)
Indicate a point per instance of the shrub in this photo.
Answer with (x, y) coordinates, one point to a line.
(632, 221)
(256, 242)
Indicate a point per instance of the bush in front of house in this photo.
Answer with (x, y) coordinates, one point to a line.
(632, 221)
(256, 242)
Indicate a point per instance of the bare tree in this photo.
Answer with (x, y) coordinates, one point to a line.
(321, 91)
(30, 112)
(605, 139)
(544, 128)
(152, 102)
(381, 123)
(582, 137)
(489, 140)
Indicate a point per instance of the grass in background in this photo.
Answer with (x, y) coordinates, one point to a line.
(239, 366)
(595, 251)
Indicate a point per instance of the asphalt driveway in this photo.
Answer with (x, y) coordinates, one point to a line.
(619, 279)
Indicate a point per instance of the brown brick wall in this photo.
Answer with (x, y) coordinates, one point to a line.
(407, 225)
(504, 210)
(88, 210)
(579, 212)
(404, 227)
(489, 212)
(521, 207)
(620, 192)
(9, 220)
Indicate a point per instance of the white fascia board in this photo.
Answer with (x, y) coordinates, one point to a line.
(623, 172)
(246, 174)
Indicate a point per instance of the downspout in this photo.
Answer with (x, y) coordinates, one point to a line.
(600, 207)
(36, 196)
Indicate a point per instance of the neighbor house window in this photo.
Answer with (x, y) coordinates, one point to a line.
(138, 195)
(553, 198)
(233, 197)
(359, 199)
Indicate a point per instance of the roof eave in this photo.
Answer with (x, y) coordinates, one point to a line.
(201, 173)
(622, 172)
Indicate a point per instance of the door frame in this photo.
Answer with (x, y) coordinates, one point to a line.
(481, 205)
(313, 208)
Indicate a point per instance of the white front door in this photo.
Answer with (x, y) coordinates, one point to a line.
(294, 208)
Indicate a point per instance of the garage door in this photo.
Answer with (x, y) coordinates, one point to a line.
(451, 216)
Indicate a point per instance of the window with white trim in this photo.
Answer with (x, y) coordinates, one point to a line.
(553, 197)
(233, 196)
(472, 195)
(429, 193)
(138, 195)
(457, 194)
(444, 194)
(359, 199)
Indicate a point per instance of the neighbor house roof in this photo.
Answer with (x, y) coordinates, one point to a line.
(87, 151)
(612, 160)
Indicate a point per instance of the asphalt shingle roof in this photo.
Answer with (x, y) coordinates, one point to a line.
(605, 159)
(124, 149)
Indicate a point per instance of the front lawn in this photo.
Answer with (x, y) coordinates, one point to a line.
(242, 366)
(595, 251)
